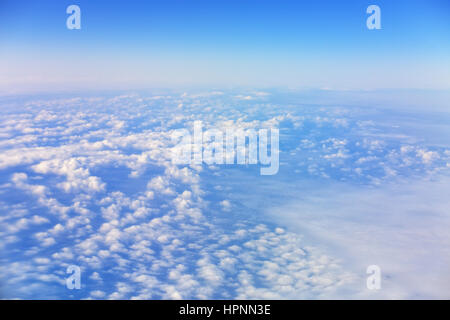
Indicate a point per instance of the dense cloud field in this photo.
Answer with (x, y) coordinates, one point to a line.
(89, 181)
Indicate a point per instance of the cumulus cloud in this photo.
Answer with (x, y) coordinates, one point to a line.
(90, 182)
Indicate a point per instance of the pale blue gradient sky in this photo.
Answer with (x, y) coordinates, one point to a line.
(141, 44)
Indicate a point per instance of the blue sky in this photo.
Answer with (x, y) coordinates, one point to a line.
(129, 44)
